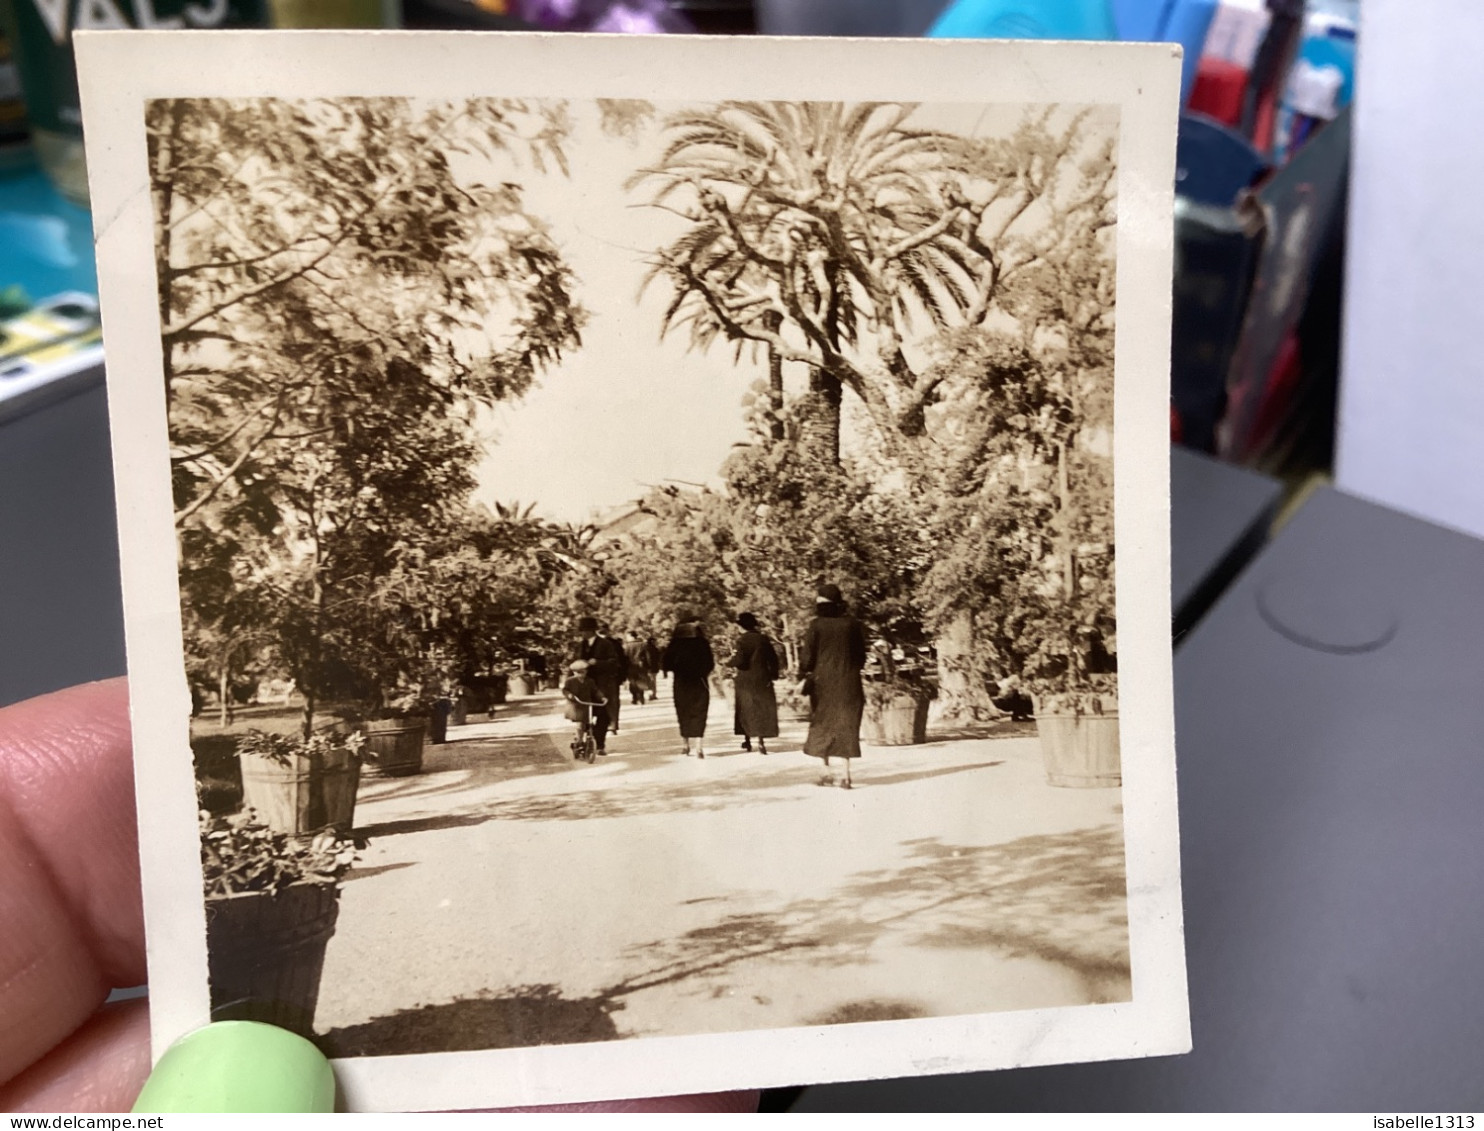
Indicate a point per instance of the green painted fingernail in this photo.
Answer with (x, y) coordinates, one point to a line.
(239, 1066)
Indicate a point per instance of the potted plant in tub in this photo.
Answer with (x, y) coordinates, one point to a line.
(1071, 673)
(271, 906)
(299, 785)
(898, 695)
(397, 731)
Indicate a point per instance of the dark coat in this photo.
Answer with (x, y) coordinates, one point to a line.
(581, 687)
(607, 667)
(642, 665)
(832, 655)
(756, 662)
(690, 660)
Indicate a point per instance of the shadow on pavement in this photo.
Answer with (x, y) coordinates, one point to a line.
(373, 870)
(1055, 897)
(1000, 728)
(1058, 898)
(455, 768)
(527, 1015)
(869, 1009)
(607, 799)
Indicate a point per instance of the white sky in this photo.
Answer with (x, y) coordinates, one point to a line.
(626, 410)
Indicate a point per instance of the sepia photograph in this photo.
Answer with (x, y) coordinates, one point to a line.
(649, 567)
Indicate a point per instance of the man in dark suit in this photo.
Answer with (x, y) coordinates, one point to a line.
(607, 666)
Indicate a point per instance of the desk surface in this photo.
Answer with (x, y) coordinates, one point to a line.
(1219, 516)
(1330, 721)
(61, 609)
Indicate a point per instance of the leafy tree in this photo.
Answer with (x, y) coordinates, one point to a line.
(342, 283)
(1027, 487)
(785, 521)
(301, 244)
(838, 236)
(961, 289)
(224, 619)
(369, 491)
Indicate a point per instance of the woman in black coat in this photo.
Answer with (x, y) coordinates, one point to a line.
(688, 658)
(830, 660)
(756, 663)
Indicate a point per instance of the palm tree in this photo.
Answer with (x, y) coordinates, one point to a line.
(834, 234)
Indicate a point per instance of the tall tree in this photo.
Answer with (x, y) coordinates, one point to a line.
(839, 237)
(342, 284)
(300, 244)
(920, 271)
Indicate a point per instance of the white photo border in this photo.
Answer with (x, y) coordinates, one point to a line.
(121, 71)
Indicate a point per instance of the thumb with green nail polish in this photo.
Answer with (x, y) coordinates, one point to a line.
(241, 1066)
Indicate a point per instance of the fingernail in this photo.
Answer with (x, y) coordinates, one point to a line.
(239, 1066)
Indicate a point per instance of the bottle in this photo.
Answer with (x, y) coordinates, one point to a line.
(1322, 81)
(1026, 19)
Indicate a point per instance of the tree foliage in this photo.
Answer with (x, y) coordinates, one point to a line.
(305, 245)
(839, 235)
(342, 284)
(962, 291)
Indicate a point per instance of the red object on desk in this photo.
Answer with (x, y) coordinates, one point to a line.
(1218, 90)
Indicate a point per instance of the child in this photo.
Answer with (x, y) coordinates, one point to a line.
(580, 691)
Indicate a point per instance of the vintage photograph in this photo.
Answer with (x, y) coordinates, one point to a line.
(646, 568)
(523, 451)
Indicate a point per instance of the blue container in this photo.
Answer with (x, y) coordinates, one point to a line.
(1185, 22)
(1026, 19)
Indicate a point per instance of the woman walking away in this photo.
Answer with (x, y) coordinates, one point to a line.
(830, 660)
(756, 662)
(641, 678)
(688, 658)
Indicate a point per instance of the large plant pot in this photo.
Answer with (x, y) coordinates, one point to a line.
(521, 686)
(266, 951)
(310, 793)
(395, 746)
(1079, 743)
(900, 721)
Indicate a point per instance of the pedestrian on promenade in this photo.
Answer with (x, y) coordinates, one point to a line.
(830, 661)
(756, 664)
(688, 658)
(606, 667)
(581, 692)
(652, 658)
(641, 678)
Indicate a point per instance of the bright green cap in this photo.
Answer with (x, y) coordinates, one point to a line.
(239, 1066)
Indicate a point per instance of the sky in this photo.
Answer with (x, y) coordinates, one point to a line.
(627, 410)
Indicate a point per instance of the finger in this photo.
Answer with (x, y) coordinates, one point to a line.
(101, 1067)
(69, 868)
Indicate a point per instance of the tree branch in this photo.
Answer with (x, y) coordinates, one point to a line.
(345, 231)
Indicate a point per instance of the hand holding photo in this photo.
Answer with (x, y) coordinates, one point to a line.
(646, 559)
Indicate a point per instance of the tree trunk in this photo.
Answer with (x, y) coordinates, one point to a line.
(772, 320)
(822, 429)
(961, 671)
(162, 192)
(223, 692)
